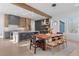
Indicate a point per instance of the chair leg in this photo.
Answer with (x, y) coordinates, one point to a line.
(30, 44)
(66, 44)
(35, 50)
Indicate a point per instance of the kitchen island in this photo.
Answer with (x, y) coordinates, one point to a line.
(22, 35)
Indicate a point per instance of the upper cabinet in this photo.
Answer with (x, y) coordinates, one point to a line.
(22, 22)
(19, 21)
(6, 22)
(14, 20)
(26, 23)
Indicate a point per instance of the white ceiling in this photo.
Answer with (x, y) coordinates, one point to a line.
(6, 8)
(60, 9)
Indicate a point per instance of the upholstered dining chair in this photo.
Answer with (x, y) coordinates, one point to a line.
(34, 42)
(64, 40)
(61, 41)
(51, 43)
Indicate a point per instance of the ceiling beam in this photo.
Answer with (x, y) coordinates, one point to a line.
(32, 9)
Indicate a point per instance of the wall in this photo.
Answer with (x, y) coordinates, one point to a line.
(1, 25)
(54, 24)
(71, 25)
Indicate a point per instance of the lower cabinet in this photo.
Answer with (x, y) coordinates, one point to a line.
(26, 35)
(22, 36)
(7, 35)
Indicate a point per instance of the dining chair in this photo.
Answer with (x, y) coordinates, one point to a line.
(51, 42)
(34, 42)
(62, 41)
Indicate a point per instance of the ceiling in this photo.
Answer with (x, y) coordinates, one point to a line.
(7, 8)
(60, 9)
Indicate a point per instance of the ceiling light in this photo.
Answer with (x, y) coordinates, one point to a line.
(53, 5)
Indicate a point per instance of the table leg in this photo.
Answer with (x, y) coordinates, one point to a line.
(43, 45)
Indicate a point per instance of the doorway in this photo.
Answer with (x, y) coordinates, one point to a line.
(62, 26)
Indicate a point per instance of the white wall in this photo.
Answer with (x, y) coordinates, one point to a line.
(55, 24)
(1, 25)
(71, 22)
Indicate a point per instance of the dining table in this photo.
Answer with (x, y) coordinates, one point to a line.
(44, 37)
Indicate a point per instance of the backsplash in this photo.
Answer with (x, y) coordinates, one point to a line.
(13, 27)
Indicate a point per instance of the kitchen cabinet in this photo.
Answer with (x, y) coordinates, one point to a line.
(20, 22)
(6, 21)
(7, 35)
(26, 23)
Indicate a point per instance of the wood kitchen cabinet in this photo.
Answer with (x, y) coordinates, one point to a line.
(28, 24)
(25, 23)
(22, 22)
(6, 22)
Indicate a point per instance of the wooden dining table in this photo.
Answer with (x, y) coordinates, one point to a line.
(44, 37)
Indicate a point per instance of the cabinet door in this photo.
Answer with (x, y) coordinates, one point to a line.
(28, 24)
(7, 35)
(22, 22)
(25, 23)
(6, 21)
